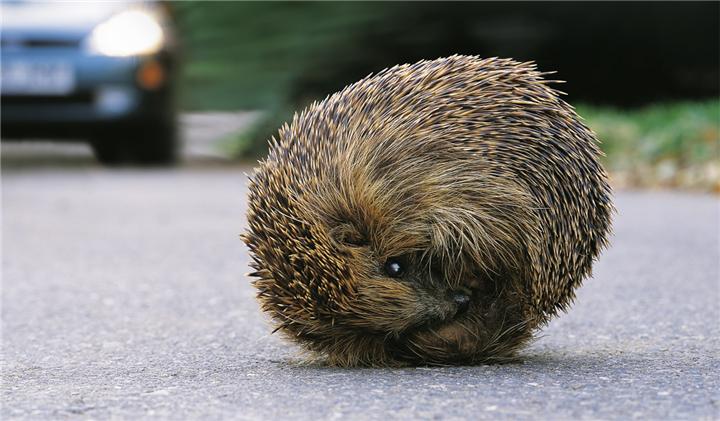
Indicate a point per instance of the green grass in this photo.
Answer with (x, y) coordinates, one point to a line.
(686, 133)
(674, 144)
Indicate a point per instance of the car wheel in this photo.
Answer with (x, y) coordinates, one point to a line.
(109, 148)
(153, 144)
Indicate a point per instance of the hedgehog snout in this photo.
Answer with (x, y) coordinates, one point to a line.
(444, 306)
(462, 302)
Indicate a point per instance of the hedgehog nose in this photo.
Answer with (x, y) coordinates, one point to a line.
(462, 301)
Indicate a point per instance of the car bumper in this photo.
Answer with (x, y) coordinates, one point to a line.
(105, 90)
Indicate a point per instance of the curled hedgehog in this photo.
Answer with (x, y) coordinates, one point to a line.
(434, 213)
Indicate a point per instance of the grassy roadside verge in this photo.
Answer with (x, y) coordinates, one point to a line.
(675, 145)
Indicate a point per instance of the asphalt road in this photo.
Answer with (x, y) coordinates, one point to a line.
(124, 297)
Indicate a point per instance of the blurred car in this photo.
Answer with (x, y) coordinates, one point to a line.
(101, 71)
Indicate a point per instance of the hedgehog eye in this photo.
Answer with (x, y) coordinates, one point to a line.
(394, 268)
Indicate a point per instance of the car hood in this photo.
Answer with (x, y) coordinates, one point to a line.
(63, 19)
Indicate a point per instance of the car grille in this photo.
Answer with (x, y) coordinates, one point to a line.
(86, 97)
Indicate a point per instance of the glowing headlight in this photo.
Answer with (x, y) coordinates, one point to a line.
(129, 33)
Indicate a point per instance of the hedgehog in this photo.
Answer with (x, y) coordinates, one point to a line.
(436, 213)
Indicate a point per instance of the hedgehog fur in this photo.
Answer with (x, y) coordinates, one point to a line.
(434, 213)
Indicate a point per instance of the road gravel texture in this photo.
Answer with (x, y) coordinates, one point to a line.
(124, 297)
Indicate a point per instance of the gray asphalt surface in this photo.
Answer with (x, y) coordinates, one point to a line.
(124, 297)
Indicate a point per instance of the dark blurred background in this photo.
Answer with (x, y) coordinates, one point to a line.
(264, 55)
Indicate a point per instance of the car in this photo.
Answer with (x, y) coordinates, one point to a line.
(104, 72)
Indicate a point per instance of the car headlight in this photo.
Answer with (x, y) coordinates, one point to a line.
(128, 33)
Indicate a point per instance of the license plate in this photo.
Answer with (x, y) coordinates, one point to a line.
(36, 78)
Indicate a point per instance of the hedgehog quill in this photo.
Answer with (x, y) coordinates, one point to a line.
(436, 213)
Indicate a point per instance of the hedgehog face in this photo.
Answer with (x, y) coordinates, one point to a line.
(397, 293)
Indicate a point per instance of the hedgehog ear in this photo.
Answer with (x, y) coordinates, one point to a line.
(348, 234)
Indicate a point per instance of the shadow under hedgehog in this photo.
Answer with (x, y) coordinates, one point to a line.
(434, 213)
